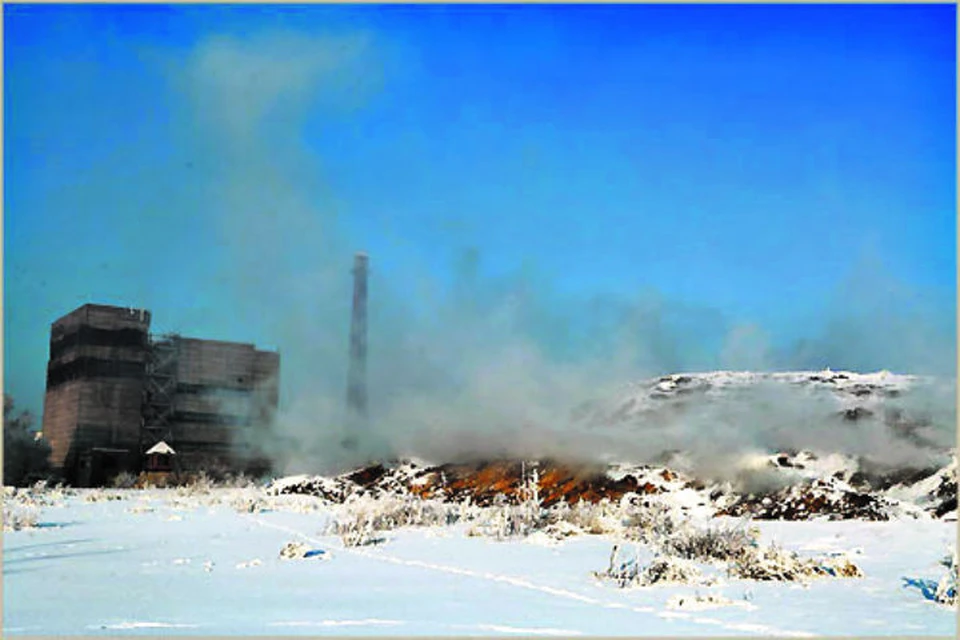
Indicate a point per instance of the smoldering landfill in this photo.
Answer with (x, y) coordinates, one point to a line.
(834, 488)
(715, 427)
(847, 446)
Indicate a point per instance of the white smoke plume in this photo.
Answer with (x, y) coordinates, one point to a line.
(488, 366)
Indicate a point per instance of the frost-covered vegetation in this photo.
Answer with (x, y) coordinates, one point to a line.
(678, 541)
(361, 519)
(672, 533)
(735, 548)
(676, 560)
(22, 506)
(124, 480)
(672, 522)
(102, 495)
(942, 591)
(946, 592)
(699, 602)
(774, 563)
(17, 517)
(714, 542)
(293, 551)
(662, 569)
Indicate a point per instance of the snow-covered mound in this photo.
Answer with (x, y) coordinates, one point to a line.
(936, 493)
(843, 395)
(845, 385)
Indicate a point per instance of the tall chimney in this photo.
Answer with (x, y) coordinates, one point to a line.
(357, 375)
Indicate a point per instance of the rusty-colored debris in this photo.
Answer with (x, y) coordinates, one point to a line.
(482, 482)
(817, 498)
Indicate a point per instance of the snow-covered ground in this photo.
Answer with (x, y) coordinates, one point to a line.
(829, 464)
(159, 561)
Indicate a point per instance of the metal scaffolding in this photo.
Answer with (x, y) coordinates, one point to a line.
(159, 390)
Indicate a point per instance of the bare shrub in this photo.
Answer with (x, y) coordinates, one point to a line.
(838, 567)
(248, 504)
(649, 520)
(361, 517)
(59, 492)
(199, 484)
(124, 480)
(714, 543)
(662, 569)
(562, 529)
(17, 517)
(699, 602)
(594, 518)
(774, 563)
(294, 551)
(946, 592)
(502, 521)
(101, 495)
(361, 537)
(668, 569)
(623, 573)
(294, 503)
(770, 563)
(236, 481)
(141, 508)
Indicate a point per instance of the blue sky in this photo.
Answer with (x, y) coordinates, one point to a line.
(769, 186)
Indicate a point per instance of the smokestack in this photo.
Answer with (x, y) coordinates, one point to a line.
(357, 375)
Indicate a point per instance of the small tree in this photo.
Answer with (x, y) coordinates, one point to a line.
(24, 456)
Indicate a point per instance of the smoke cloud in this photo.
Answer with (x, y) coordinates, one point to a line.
(485, 365)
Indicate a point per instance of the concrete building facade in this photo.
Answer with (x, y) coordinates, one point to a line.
(114, 391)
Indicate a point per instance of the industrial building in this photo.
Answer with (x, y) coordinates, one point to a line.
(114, 392)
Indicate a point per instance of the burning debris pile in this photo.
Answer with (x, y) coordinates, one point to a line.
(945, 495)
(829, 498)
(792, 484)
(809, 487)
(557, 482)
(838, 487)
(484, 483)
(335, 490)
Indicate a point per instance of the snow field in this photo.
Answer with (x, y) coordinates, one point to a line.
(163, 561)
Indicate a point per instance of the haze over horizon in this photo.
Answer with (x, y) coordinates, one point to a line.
(553, 198)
